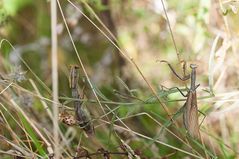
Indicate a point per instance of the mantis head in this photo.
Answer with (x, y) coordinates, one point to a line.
(193, 66)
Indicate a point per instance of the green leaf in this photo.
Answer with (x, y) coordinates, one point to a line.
(33, 136)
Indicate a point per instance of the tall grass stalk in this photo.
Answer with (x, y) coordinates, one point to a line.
(54, 75)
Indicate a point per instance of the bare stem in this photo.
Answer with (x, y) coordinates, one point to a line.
(54, 75)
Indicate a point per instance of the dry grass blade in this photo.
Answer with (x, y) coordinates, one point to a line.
(17, 148)
(211, 64)
(54, 62)
(151, 139)
(39, 95)
(48, 144)
(9, 85)
(157, 122)
(17, 139)
(171, 32)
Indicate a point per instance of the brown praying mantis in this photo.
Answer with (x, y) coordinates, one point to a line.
(190, 108)
(81, 115)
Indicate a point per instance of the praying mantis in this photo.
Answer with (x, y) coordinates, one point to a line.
(190, 108)
(81, 115)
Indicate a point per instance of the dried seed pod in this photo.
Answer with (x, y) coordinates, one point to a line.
(67, 119)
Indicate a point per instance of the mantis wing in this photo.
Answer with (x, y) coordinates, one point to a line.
(190, 115)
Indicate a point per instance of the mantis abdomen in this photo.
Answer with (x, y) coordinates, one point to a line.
(190, 115)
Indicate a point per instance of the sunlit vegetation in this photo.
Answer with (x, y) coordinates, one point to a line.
(130, 79)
